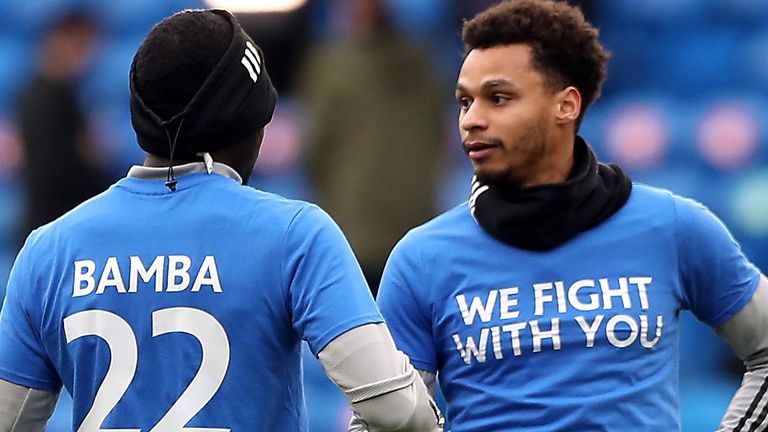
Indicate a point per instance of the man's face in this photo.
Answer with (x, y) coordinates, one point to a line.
(507, 113)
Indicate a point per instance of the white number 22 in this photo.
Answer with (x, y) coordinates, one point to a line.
(121, 339)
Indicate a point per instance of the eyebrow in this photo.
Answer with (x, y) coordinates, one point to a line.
(490, 84)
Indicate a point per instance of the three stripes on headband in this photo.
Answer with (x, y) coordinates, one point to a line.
(252, 61)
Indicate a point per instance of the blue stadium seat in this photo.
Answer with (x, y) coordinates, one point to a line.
(743, 12)
(16, 56)
(136, 16)
(115, 137)
(655, 13)
(593, 126)
(108, 76)
(420, 17)
(697, 61)
(752, 60)
(29, 18)
(12, 196)
(632, 65)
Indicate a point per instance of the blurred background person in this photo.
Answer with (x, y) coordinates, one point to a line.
(374, 112)
(61, 168)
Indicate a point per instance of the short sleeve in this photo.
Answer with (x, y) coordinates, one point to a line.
(404, 311)
(326, 291)
(718, 280)
(23, 359)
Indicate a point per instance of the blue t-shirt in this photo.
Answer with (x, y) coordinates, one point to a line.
(579, 338)
(159, 310)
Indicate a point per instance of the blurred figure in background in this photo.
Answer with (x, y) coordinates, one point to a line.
(61, 169)
(375, 115)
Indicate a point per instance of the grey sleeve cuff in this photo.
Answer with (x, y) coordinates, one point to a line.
(23, 409)
(384, 389)
(747, 334)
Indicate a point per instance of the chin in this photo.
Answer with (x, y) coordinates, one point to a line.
(489, 176)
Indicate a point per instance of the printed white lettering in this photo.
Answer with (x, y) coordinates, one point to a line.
(208, 275)
(178, 272)
(641, 283)
(178, 277)
(484, 310)
(622, 291)
(573, 296)
(553, 333)
(540, 298)
(614, 337)
(506, 301)
(644, 331)
(471, 349)
(514, 333)
(84, 270)
(496, 338)
(155, 270)
(111, 277)
(590, 329)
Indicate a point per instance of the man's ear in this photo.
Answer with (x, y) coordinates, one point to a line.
(568, 105)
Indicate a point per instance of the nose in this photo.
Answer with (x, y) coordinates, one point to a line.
(473, 118)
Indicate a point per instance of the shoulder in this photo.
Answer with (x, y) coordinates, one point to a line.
(664, 205)
(454, 221)
(683, 217)
(437, 235)
(650, 195)
(276, 206)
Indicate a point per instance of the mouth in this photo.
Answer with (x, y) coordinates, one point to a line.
(479, 150)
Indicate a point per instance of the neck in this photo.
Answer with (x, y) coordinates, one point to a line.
(155, 161)
(554, 166)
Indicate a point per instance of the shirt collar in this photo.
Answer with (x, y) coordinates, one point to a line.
(160, 173)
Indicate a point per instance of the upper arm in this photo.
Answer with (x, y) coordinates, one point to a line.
(23, 358)
(717, 279)
(401, 303)
(326, 291)
(747, 331)
(23, 409)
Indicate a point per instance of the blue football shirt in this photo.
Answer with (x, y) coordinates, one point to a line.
(162, 310)
(579, 338)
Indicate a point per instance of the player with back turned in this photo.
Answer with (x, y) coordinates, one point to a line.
(550, 300)
(178, 299)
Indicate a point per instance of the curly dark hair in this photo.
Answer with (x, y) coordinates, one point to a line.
(177, 56)
(564, 44)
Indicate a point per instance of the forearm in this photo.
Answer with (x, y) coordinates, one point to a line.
(23, 409)
(747, 334)
(385, 391)
(748, 407)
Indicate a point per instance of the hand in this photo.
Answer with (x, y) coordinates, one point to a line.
(356, 424)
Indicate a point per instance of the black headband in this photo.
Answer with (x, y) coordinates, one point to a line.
(235, 101)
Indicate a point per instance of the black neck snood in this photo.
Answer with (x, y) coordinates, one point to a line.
(544, 217)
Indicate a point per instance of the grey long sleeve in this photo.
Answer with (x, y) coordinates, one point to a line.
(23, 409)
(385, 391)
(747, 334)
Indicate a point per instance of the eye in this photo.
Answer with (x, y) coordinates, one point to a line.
(464, 102)
(499, 99)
